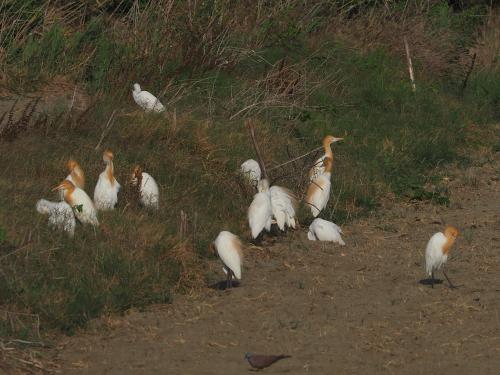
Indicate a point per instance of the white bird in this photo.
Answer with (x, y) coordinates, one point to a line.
(146, 100)
(82, 205)
(283, 205)
(61, 215)
(230, 251)
(318, 192)
(260, 211)
(76, 175)
(324, 230)
(318, 168)
(106, 189)
(436, 252)
(148, 189)
(250, 169)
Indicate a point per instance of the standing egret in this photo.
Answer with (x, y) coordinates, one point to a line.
(76, 175)
(260, 211)
(149, 195)
(324, 230)
(318, 191)
(61, 215)
(146, 100)
(106, 189)
(250, 169)
(81, 203)
(230, 251)
(436, 252)
(283, 205)
(318, 168)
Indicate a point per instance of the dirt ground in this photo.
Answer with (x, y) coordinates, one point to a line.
(358, 309)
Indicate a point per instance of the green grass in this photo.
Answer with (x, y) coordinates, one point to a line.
(396, 142)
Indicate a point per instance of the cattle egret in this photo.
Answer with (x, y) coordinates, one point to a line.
(149, 195)
(250, 169)
(106, 189)
(146, 100)
(318, 168)
(76, 175)
(436, 253)
(318, 191)
(230, 251)
(61, 216)
(82, 205)
(283, 205)
(260, 211)
(324, 230)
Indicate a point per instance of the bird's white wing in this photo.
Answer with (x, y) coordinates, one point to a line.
(259, 213)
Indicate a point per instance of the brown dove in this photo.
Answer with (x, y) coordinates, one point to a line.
(259, 361)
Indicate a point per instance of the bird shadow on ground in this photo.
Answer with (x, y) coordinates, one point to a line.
(222, 285)
(429, 281)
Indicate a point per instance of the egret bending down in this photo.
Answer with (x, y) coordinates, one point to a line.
(61, 216)
(436, 253)
(230, 251)
(324, 230)
(146, 100)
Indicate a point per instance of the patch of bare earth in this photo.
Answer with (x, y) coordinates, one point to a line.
(358, 309)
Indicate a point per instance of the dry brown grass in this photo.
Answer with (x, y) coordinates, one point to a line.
(487, 47)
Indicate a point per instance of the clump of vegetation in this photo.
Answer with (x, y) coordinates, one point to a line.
(301, 71)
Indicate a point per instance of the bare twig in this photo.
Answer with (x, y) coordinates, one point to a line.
(297, 158)
(410, 65)
(469, 71)
(249, 125)
(106, 130)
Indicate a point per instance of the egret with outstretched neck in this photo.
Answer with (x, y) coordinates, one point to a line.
(318, 168)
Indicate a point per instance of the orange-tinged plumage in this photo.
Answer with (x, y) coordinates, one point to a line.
(436, 252)
(106, 189)
(318, 167)
(318, 192)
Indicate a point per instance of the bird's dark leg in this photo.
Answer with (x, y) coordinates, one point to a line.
(228, 280)
(432, 279)
(231, 278)
(449, 281)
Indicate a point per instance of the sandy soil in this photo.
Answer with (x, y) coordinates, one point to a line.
(358, 309)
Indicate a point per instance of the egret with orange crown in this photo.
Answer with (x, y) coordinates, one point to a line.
(82, 205)
(76, 175)
(106, 189)
(260, 211)
(318, 192)
(436, 252)
(230, 251)
(319, 168)
(149, 195)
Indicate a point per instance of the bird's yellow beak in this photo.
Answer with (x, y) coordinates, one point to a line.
(337, 139)
(58, 187)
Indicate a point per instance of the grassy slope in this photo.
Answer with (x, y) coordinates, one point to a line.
(396, 142)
